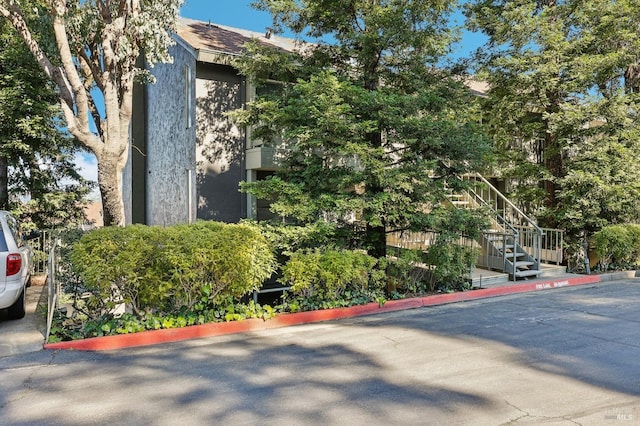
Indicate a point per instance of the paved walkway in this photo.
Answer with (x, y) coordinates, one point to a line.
(27, 334)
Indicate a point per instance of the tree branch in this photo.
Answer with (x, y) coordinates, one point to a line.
(91, 66)
(71, 72)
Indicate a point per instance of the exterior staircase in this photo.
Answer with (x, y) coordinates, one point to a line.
(513, 245)
(513, 248)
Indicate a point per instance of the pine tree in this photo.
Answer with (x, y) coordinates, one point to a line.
(563, 106)
(376, 130)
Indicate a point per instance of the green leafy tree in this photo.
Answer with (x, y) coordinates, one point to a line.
(37, 176)
(563, 105)
(93, 48)
(376, 130)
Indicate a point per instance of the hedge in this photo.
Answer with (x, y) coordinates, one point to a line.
(154, 269)
(618, 246)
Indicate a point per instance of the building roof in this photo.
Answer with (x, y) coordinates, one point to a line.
(216, 43)
(480, 88)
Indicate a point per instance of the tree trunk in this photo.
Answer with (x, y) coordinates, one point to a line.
(110, 184)
(376, 235)
(554, 164)
(4, 183)
(377, 241)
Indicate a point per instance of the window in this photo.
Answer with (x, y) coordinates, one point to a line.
(3, 242)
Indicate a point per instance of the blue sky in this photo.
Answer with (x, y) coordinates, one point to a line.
(239, 14)
(234, 13)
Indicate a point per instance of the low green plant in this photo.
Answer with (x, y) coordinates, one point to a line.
(223, 309)
(406, 273)
(328, 274)
(618, 246)
(449, 265)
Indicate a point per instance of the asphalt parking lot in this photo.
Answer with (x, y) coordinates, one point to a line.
(565, 356)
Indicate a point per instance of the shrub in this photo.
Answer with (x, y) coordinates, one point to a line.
(117, 265)
(286, 238)
(217, 259)
(634, 231)
(617, 245)
(160, 269)
(449, 265)
(406, 272)
(330, 274)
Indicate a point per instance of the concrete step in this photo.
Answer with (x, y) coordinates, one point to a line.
(488, 279)
(484, 278)
(527, 273)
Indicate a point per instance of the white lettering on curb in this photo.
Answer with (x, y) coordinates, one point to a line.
(555, 284)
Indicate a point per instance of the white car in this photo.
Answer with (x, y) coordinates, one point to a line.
(15, 267)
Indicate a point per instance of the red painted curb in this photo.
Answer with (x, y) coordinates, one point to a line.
(154, 337)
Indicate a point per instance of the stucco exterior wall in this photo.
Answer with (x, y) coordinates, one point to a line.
(220, 151)
(171, 140)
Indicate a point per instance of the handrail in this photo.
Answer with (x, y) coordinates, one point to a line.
(526, 231)
(503, 221)
(506, 256)
(505, 200)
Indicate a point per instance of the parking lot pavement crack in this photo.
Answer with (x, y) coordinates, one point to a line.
(532, 418)
(524, 415)
(395, 342)
(26, 388)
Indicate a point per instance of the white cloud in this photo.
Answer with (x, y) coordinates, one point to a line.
(87, 166)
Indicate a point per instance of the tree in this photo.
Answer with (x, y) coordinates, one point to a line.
(91, 57)
(36, 158)
(378, 131)
(563, 105)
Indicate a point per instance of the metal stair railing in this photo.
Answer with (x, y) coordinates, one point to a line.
(494, 245)
(528, 233)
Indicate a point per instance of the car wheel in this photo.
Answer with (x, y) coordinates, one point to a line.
(19, 308)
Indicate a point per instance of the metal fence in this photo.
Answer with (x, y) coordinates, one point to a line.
(53, 285)
(550, 247)
(41, 247)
